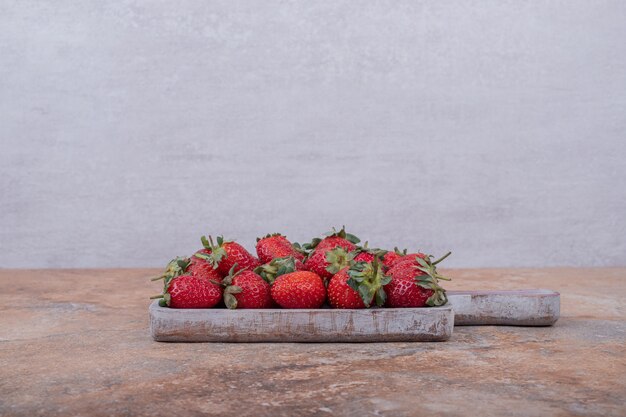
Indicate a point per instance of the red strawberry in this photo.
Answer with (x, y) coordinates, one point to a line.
(245, 289)
(365, 254)
(301, 289)
(201, 268)
(333, 239)
(415, 284)
(226, 254)
(277, 267)
(276, 246)
(318, 260)
(418, 259)
(358, 286)
(408, 257)
(391, 256)
(186, 291)
(340, 295)
(405, 292)
(364, 257)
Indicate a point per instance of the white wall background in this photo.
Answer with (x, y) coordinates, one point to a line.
(494, 128)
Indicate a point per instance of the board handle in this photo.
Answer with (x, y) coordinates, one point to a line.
(536, 307)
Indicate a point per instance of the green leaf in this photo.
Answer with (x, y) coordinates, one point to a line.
(424, 285)
(438, 298)
(233, 289)
(381, 297)
(352, 283)
(338, 259)
(365, 294)
(230, 301)
(351, 238)
(442, 258)
(421, 261)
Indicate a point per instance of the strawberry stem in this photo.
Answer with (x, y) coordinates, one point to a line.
(442, 258)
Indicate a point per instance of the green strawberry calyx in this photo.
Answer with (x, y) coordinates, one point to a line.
(430, 281)
(174, 268)
(218, 253)
(400, 252)
(338, 259)
(268, 236)
(164, 299)
(368, 280)
(300, 249)
(277, 267)
(230, 289)
(374, 251)
(309, 247)
(333, 233)
(342, 234)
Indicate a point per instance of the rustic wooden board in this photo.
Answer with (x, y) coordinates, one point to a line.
(321, 325)
(507, 308)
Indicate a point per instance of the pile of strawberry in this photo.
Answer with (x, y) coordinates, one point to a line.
(332, 269)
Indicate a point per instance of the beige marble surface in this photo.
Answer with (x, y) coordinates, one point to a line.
(76, 342)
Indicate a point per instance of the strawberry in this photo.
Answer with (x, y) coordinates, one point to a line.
(406, 292)
(300, 289)
(391, 256)
(317, 260)
(245, 289)
(409, 257)
(276, 246)
(333, 239)
(186, 291)
(174, 268)
(277, 267)
(201, 268)
(415, 283)
(340, 295)
(364, 257)
(358, 286)
(337, 259)
(365, 254)
(414, 259)
(226, 254)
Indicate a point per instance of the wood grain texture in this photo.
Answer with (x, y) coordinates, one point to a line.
(466, 308)
(319, 325)
(511, 308)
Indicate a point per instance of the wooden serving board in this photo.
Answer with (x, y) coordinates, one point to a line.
(506, 308)
(320, 325)
(465, 308)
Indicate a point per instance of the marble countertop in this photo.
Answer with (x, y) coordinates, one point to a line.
(76, 342)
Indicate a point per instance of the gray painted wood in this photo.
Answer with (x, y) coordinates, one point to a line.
(465, 308)
(511, 308)
(321, 325)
